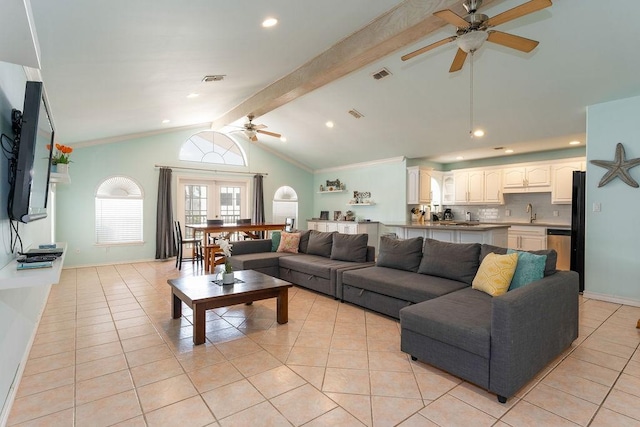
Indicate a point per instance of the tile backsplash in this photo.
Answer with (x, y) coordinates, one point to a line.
(516, 204)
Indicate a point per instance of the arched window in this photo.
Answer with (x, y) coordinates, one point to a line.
(285, 205)
(119, 211)
(212, 147)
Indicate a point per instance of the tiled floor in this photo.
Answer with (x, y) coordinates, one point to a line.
(107, 352)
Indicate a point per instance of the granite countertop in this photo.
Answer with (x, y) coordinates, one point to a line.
(473, 225)
(350, 222)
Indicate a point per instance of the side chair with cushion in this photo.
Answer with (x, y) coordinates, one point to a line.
(196, 247)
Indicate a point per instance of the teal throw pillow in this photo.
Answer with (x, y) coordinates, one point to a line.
(529, 269)
(275, 241)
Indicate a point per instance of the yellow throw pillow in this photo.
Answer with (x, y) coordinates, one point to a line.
(495, 274)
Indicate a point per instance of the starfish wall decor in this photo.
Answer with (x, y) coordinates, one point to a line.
(619, 168)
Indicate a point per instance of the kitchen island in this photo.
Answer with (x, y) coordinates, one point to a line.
(452, 231)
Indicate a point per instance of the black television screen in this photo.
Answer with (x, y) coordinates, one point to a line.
(32, 155)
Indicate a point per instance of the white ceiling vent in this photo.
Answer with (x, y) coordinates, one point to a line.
(214, 78)
(355, 113)
(381, 74)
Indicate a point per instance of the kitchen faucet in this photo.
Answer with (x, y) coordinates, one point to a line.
(532, 216)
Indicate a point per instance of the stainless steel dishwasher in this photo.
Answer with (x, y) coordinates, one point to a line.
(560, 240)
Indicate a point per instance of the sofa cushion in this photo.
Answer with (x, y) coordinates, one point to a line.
(257, 260)
(495, 274)
(400, 284)
(275, 241)
(461, 319)
(400, 254)
(456, 261)
(549, 266)
(529, 269)
(350, 247)
(320, 243)
(289, 242)
(304, 240)
(313, 265)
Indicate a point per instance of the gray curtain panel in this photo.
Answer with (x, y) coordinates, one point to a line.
(258, 201)
(165, 243)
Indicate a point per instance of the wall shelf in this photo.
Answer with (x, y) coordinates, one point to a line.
(360, 204)
(12, 278)
(334, 191)
(62, 178)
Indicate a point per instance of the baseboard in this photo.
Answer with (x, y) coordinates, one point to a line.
(610, 298)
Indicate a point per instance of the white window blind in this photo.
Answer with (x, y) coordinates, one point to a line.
(119, 211)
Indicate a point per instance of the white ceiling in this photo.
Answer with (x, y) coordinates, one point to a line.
(120, 67)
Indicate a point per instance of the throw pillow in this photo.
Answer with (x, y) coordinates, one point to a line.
(350, 247)
(529, 269)
(549, 267)
(275, 240)
(289, 242)
(495, 274)
(400, 254)
(320, 243)
(455, 261)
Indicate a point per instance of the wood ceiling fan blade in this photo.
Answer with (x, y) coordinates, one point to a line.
(518, 11)
(261, 126)
(254, 138)
(427, 48)
(514, 42)
(452, 18)
(275, 135)
(458, 61)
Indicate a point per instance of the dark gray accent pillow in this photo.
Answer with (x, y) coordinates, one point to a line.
(549, 266)
(304, 240)
(455, 261)
(320, 243)
(400, 254)
(350, 247)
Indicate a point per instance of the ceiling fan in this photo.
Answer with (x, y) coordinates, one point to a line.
(251, 130)
(473, 30)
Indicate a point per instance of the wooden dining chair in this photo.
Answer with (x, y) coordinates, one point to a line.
(196, 247)
(245, 235)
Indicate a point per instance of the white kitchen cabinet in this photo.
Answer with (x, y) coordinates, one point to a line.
(527, 238)
(469, 186)
(418, 185)
(348, 227)
(493, 186)
(448, 189)
(529, 178)
(443, 235)
(562, 181)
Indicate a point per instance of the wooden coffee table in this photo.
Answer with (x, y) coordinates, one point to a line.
(201, 293)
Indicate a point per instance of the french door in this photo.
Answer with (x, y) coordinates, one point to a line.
(202, 199)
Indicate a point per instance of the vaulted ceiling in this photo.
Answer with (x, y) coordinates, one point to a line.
(119, 68)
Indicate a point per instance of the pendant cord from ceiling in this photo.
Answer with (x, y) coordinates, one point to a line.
(212, 170)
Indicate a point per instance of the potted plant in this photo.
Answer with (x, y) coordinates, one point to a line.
(60, 158)
(227, 275)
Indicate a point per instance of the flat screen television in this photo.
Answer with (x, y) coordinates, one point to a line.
(31, 163)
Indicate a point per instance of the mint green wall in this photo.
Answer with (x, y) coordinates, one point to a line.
(385, 181)
(612, 267)
(136, 158)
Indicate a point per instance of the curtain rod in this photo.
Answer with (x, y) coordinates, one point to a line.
(211, 170)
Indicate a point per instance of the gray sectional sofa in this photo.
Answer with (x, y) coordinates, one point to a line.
(496, 342)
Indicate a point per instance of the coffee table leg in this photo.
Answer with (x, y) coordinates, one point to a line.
(176, 306)
(283, 306)
(198, 324)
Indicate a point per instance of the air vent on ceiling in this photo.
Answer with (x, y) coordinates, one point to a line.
(498, 148)
(355, 113)
(381, 74)
(214, 78)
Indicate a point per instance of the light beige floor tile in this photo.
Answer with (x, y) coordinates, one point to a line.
(623, 403)
(577, 386)
(165, 392)
(205, 355)
(237, 348)
(44, 338)
(100, 367)
(389, 361)
(589, 371)
(261, 414)
(606, 346)
(394, 384)
(526, 414)
(255, 363)
(140, 342)
(563, 404)
(96, 352)
(214, 376)
(357, 405)
(433, 382)
(314, 340)
(417, 420)
(607, 418)
(156, 371)
(337, 417)
(302, 404)
(192, 411)
(41, 404)
(136, 331)
(628, 384)
(450, 411)
(103, 386)
(482, 399)
(148, 355)
(108, 411)
(280, 352)
(599, 358)
(276, 381)
(49, 349)
(232, 398)
(84, 331)
(351, 359)
(349, 342)
(308, 356)
(97, 339)
(633, 368)
(339, 380)
(388, 411)
(59, 419)
(46, 380)
(314, 375)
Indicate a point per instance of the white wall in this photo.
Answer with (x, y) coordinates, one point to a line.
(613, 235)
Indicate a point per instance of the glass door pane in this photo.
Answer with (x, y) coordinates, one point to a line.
(195, 206)
(230, 203)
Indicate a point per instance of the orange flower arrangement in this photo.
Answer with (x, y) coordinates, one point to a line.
(61, 155)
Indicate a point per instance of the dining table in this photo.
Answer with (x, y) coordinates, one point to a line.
(224, 231)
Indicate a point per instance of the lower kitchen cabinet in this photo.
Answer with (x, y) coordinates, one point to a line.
(527, 238)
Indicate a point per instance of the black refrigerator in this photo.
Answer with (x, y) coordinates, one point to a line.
(577, 225)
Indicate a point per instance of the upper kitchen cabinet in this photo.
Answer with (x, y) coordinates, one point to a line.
(493, 186)
(418, 185)
(469, 186)
(562, 182)
(448, 189)
(529, 178)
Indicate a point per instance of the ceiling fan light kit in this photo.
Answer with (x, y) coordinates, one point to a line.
(252, 130)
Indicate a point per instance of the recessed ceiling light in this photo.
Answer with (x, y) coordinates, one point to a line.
(574, 143)
(329, 124)
(193, 95)
(508, 151)
(165, 121)
(269, 22)
(283, 139)
(459, 158)
(478, 132)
